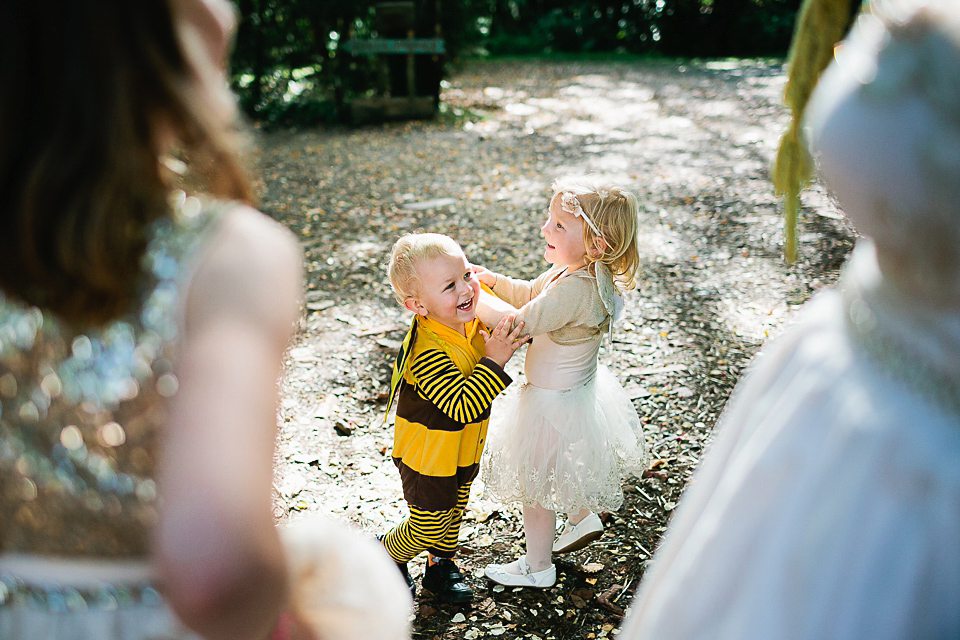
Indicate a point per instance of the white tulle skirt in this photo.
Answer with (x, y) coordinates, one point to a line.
(566, 450)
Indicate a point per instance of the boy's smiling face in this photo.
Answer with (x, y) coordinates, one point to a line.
(448, 291)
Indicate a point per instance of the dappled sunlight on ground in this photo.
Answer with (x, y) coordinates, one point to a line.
(694, 140)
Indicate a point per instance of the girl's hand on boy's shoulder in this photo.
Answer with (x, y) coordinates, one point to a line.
(484, 275)
(503, 342)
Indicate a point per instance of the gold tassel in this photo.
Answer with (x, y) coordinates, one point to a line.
(820, 25)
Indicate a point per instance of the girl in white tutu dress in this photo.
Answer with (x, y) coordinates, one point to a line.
(566, 440)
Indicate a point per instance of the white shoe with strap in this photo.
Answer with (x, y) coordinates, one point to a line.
(539, 579)
(574, 537)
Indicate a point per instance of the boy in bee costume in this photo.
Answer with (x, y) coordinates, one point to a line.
(448, 371)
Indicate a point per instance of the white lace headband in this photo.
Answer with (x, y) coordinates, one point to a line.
(570, 203)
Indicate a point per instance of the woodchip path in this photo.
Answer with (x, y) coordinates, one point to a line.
(694, 140)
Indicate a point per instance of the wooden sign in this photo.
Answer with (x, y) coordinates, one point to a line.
(432, 46)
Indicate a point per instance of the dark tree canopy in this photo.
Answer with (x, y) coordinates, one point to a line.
(290, 65)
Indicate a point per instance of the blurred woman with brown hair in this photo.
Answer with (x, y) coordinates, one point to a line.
(142, 326)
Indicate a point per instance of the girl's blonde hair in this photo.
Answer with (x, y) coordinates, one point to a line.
(408, 253)
(88, 93)
(614, 211)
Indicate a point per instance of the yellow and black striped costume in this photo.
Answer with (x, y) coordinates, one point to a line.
(445, 389)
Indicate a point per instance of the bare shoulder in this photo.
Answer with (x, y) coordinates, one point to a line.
(251, 238)
(251, 269)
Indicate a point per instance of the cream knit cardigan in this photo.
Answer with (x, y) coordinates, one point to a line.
(564, 305)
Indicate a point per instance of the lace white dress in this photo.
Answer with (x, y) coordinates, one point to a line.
(566, 438)
(829, 504)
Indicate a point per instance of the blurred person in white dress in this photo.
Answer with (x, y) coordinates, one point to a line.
(829, 504)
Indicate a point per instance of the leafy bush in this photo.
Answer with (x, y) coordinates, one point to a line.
(289, 66)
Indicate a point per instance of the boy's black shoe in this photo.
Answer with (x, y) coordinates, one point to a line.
(402, 566)
(445, 581)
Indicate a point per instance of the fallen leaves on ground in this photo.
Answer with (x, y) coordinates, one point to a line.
(694, 140)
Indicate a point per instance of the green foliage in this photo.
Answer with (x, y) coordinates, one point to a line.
(674, 27)
(289, 68)
(622, 25)
(724, 28)
(285, 67)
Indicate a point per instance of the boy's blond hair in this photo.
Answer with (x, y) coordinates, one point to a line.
(614, 211)
(407, 255)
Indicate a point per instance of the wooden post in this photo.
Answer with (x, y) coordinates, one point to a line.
(398, 43)
(411, 69)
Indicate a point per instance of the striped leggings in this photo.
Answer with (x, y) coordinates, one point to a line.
(433, 531)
